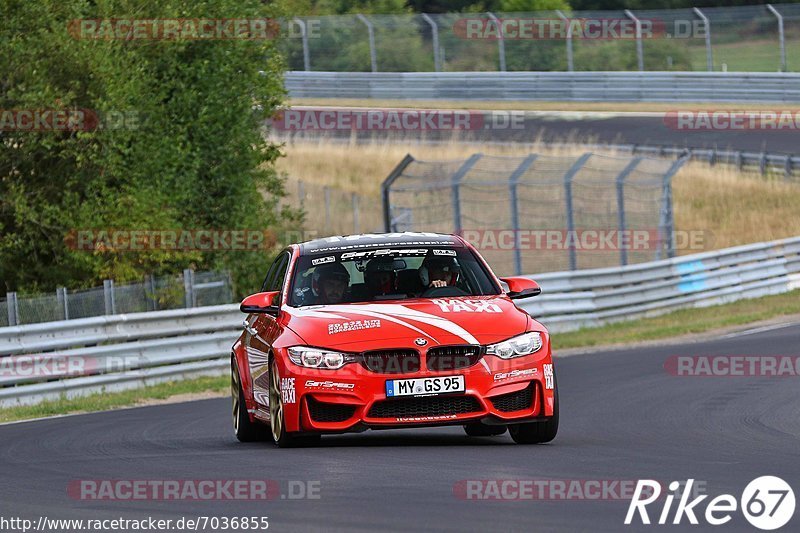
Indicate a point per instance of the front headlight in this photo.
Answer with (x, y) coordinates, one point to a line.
(319, 358)
(524, 344)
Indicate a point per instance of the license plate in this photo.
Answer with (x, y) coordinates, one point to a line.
(425, 386)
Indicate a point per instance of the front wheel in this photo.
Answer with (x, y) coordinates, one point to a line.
(537, 432)
(244, 429)
(277, 420)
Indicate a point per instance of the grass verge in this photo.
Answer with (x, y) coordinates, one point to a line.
(683, 322)
(112, 400)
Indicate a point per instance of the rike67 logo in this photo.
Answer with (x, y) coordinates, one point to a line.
(767, 503)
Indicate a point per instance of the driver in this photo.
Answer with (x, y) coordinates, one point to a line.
(330, 283)
(379, 276)
(439, 271)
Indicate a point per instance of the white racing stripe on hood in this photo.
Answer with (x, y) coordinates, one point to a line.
(390, 311)
(359, 311)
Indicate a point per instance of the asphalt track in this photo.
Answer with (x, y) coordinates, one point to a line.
(623, 417)
(648, 129)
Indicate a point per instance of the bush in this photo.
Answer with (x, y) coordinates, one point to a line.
(189, 153)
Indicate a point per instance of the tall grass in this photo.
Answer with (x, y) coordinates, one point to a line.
(730, 207)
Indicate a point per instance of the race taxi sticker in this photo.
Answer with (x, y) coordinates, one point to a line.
(288, 395)
(467, 306)
(323, 260)
(353, 325)
(548, 376)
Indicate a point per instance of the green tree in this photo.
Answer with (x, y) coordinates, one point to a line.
(189, 154)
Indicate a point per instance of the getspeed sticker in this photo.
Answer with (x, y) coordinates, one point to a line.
(387, 252)
(515, 374)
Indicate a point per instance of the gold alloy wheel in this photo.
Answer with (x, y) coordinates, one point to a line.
(275, 405)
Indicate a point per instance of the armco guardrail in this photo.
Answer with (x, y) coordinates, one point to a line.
(559, 86)
(586, 298)
(124, 351)
(78, 357)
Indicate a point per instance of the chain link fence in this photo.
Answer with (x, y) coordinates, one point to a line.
(540, 213)
(763, 38)
(190, 289)
(332, 211)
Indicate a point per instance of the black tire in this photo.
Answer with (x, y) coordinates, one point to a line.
(537, 432)
(281, 437)
(477, 429)
(244, 429)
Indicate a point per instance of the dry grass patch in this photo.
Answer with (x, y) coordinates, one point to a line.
(735, 207)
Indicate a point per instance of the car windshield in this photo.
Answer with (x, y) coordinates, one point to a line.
(388, 273)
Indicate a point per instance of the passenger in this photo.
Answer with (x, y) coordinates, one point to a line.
(330, 283)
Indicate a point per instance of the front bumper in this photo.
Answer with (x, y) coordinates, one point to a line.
(353, 398)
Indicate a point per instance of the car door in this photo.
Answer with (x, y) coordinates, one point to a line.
(261, 331)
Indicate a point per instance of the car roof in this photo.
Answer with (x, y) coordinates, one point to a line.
(371, 240)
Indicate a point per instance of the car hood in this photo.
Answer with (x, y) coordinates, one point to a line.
(397, 324)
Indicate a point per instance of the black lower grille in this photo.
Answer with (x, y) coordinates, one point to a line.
(431, 406)
(391, 361)
(453, 357)
(514, 401)
(329, 412)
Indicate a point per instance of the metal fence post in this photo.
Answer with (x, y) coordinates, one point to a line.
(355, 214)
(61, 297)
(780, 35)
(108, 297)
(188, 288)
(513, 181)
(437, 60)
(385, 190)
(150, 284)
(570, 63)
(623, 250)
(301, 192)
(327, 193)
(304, 37)
(12, 307)
(456, 192)
(639, 50)
(373, 56)
(501, 43)
(573, 260)
(667, 222)
(707, 26)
